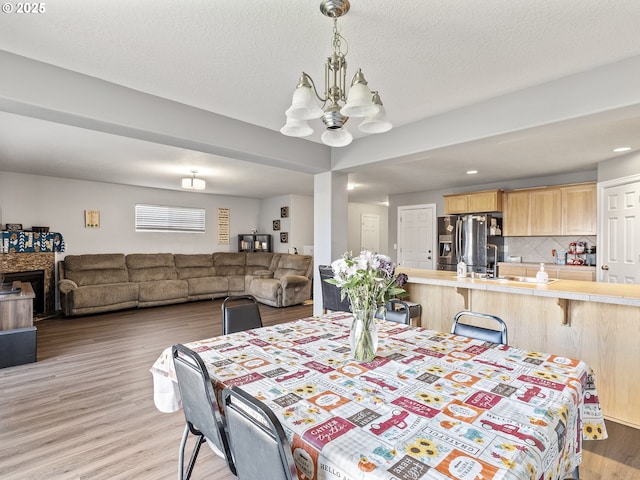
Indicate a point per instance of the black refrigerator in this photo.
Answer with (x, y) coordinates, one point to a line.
(474, 239)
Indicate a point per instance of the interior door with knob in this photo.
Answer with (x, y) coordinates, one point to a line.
(416, 236)
(618, 257)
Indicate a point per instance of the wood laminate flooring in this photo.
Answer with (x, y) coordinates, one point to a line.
(85, 410)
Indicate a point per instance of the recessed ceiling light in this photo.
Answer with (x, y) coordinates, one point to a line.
(621, 149)
(472, 172)
(351, 186)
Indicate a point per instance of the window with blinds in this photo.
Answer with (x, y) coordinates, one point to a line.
(163, 218)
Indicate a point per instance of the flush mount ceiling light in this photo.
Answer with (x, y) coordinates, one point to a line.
(193, 183)
(621, 149)
(337, 105)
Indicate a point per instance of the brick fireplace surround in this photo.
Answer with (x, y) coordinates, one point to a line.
(29, 261)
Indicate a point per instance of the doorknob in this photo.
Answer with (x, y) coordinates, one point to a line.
(605, 267)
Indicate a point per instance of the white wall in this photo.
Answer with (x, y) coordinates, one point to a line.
(60, 203)
(356, 210)
(298, 225)
(621, 167)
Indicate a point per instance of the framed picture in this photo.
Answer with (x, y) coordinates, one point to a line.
(284, 237)
(92, 219)
(14, 227)
(276, 225)
(284, 212)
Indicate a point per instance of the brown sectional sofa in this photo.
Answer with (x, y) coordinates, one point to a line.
(95, 283)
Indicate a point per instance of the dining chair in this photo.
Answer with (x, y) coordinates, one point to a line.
(396, 311)
(258, 442)
(331, 294)
(200, 407)
(240, 313)
(480, 333)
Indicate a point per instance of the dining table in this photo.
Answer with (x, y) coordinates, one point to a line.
(430, 405)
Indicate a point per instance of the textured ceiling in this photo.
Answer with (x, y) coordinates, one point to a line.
(241, 59)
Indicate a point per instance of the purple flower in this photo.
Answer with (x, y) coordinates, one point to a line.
(401, 279)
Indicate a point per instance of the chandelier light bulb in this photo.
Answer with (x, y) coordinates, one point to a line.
(296, 128)
(337, 137)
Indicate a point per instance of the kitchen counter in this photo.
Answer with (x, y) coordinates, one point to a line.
(619, 294)
(547, 265)
(598, 323)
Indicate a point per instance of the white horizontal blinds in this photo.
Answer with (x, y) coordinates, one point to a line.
(163, 218)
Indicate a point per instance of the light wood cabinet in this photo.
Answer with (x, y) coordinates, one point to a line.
(473, 202)
(550, 211)
(546, 212)
(517, 214)
(579, 209)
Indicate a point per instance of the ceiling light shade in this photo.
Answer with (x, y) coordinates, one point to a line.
(337, 105)
(296, 128)
(337, 137)
(303, 106)
(193, 183)
(377, 123)
(360, 100)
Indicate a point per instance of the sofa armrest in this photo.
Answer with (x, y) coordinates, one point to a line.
(292, 281)
(65, 285)
(262, 274)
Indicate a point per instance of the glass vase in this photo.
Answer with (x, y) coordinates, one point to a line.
(363, 338)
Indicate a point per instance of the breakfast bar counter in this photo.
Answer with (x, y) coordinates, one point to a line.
(598, 323)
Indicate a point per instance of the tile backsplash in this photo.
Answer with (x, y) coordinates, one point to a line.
(538, 249)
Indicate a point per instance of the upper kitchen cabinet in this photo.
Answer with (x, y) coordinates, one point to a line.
(546, 209)
(551, 211)
(579, 207)
(517, 214)
(473, 202)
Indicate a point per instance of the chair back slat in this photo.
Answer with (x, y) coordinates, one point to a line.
(258, 442)
(201, 409)
(332, 294)
(240, 313)
(480, 333)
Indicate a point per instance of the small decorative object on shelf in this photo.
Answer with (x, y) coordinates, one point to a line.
(254, 242)
(13, 227)
(369, 281)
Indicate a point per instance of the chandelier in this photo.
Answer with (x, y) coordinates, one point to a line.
(336, 105)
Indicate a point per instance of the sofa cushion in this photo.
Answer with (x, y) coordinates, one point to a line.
(162, 290)
(147, 267)
(229, 263)
(96, 269)
(292, 265)
(256, 261)
(208, 286)
(194, 265)
(101, 295)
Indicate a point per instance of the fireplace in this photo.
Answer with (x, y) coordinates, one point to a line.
(36, 279)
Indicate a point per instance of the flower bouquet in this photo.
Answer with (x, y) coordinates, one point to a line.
(369, 281)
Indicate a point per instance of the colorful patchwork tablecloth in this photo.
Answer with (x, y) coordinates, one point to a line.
(430, 405)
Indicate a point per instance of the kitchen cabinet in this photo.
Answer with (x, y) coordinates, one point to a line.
(517, 214)
(546, 212)
(579, 206)
(473, 202)
(551, 211)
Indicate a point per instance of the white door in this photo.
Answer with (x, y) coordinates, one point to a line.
(416, 236)
(370, 232)
(619, 248)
